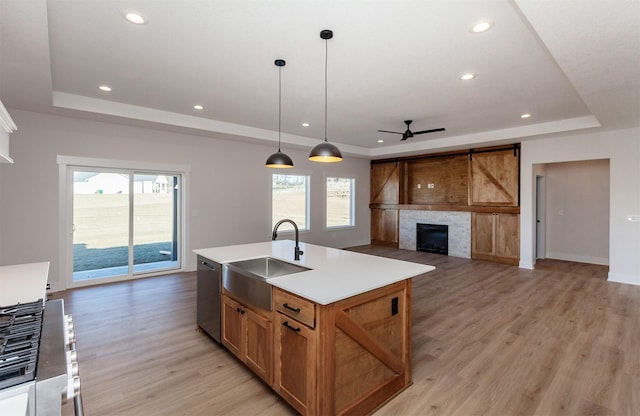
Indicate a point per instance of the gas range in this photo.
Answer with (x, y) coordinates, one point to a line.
(38, 361)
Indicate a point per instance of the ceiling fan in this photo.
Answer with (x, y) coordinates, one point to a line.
(408, 133)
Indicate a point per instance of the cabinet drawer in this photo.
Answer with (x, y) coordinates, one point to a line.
(296, 307)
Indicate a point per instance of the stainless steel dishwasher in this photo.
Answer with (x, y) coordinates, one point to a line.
(209, 297)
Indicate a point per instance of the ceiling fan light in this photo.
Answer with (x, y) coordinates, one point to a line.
(325, 152)
(279, 160)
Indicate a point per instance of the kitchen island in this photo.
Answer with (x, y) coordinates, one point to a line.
(337, 339)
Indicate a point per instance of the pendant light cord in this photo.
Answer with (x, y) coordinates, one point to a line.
(279, 103)
(326, 66)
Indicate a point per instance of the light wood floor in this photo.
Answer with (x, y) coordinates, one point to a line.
(488, 339)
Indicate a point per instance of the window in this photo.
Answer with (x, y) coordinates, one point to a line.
(290, 199)
(340, 202)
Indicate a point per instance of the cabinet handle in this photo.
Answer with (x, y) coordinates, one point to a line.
(286, 306)
(286, 323)
(240, 310)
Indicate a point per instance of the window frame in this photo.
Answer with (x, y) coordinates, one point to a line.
(287, 228)
(352, 202)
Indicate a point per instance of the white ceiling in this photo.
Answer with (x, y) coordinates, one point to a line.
(572, 64)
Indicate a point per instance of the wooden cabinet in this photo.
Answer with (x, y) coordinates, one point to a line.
(495, 237)
(385, 226)
(494, 178)
(248, 333)
(385, 183)
(347, 357)
(295, 363)
(295, 351)
(385, 189)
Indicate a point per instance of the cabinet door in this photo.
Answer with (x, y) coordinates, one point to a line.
(259, 346)
(495, 237)
(508, 236)
(385, 183)
(384, 226)
(495, 178)
(295, 372)
(482, 234)
(232, 326)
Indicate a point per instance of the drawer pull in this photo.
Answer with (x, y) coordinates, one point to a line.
(286, 306)
(286, 323)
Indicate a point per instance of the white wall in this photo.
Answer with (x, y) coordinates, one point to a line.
(577, 202)
(622, 148)
(229, 189)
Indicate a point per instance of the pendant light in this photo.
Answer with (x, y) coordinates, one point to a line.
(325, 151)
(279, 159)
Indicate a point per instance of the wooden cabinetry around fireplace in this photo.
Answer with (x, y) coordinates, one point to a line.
(484, 182)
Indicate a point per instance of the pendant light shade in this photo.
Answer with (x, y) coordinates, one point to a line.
(279, 159)
(325, 151)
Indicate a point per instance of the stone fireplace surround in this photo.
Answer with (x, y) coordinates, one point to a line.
(459, 223)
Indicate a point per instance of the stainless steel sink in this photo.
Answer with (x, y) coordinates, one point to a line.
(246, 279)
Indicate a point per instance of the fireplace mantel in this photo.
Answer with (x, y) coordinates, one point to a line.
(456, 208)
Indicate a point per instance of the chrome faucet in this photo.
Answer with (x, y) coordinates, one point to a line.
(296, 251)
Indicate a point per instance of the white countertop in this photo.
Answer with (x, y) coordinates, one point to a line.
(335, 275)
(23, 283)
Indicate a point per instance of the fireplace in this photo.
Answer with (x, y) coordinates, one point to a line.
(432, 238)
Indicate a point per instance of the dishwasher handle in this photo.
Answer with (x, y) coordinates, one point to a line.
(208, 265)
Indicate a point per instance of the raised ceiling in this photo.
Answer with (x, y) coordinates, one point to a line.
(571, 64)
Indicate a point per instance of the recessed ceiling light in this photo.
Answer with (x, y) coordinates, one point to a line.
(525, 115)
(467, 77)
(198, 107)
(380, 141)
(104, 88)
(135, 18)
(305, 124)
(481, 27)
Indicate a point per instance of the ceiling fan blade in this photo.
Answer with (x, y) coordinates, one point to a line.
(387, 131)
(428, 131)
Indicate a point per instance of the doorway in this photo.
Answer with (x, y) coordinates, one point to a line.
(124, 223)
(540, 218)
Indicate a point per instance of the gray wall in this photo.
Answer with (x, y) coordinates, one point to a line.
(228, 197)
(577, 202)
(622, 149)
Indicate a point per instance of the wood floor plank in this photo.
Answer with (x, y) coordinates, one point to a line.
(488, 339)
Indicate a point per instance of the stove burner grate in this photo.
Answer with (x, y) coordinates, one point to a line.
(20, 327)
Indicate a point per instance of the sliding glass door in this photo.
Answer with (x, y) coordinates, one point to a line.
(124, 222)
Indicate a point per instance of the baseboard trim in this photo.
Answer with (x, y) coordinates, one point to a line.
(629, 279)
(577, 258)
